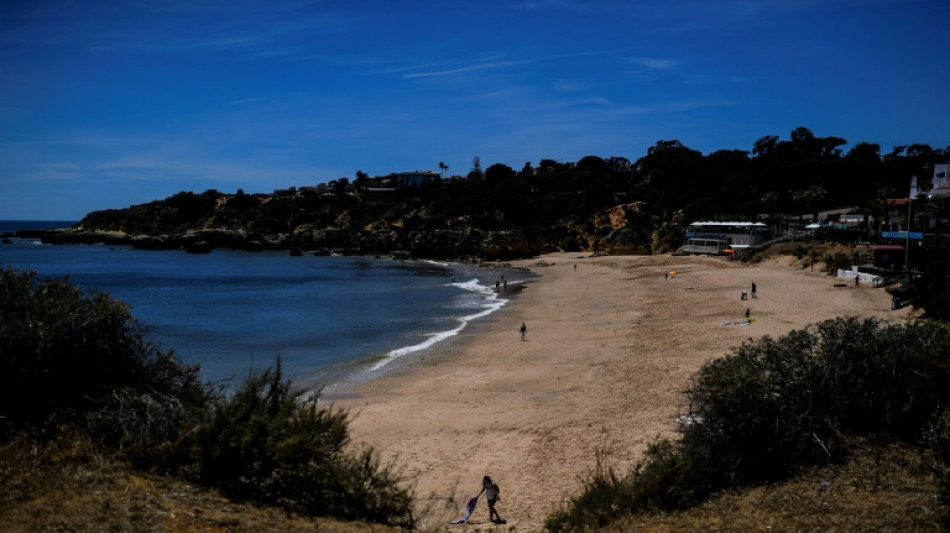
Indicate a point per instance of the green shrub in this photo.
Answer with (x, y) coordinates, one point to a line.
(938, 438)
(931, 290)
(776, 406)
(70, 356)
(264, 444)
(838, 261)
(605, 493)
(83, 364)
(773, 407)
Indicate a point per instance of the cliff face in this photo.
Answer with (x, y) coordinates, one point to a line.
(422, 224)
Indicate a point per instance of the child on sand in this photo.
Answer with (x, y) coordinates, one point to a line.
(492, 492)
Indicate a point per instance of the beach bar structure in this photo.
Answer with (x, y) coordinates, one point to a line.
(717, 238)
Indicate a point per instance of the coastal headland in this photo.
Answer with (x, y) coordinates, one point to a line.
(611, 344)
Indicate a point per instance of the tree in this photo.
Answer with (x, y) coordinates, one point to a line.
(498, 173)
(864, 151)
(476, 172)
(527, 170)
(920, 150)
(593, 165)
(765, 145)
(931, 290)
(809, 199)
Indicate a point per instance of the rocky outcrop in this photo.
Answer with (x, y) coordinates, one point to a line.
(434, 244)
(416, 226)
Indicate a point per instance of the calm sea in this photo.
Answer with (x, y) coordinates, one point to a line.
(330, 319)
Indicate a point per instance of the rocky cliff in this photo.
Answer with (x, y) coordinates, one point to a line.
(419, 224)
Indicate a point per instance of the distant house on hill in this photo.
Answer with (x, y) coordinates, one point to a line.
(412, 180)
(941, 183)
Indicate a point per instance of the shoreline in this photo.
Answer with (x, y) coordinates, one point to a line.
(399, 361)
(610, 346)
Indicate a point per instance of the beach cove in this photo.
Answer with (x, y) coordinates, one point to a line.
(611, 344)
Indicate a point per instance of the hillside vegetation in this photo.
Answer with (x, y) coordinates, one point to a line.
(776, 408)
(81, 387)
(597, 204)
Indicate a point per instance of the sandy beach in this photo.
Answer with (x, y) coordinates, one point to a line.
(611, 343)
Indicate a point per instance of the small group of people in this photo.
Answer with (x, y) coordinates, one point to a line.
(745, 295)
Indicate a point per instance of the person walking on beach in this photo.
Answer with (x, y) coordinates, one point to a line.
(524, 330)
(753, 290)
(492, 493)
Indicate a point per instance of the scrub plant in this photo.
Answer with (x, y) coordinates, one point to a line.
(78, 372)
(266, 444)
(774, 407)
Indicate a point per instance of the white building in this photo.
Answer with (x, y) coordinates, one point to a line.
(723, 237)
(941, 184)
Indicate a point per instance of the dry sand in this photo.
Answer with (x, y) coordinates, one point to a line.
(610, 347)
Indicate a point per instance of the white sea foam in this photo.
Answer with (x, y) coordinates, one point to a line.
(487, 302)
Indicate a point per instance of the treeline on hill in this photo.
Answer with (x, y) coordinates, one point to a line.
(775, 407)
(563, 204)
(78, 367)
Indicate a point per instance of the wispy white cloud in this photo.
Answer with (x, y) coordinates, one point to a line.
(501, 94)
(245, 101)
(570, 86)
(155, 27)
(612, 107)
(561, 5)
(466, 68)
(654, 63)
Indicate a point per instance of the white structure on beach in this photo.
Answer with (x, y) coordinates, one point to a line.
(718, 238)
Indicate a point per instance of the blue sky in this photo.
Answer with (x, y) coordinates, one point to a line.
(106, 104)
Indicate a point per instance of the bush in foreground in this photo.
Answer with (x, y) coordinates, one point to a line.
(68, 357)
(78, 368)
(265, 444)
(775, 407)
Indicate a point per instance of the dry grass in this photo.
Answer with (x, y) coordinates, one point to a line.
(881, 488)
(66, 486)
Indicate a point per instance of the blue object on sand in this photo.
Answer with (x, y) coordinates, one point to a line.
(468, 511)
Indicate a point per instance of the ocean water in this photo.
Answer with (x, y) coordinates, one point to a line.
(330, 319)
